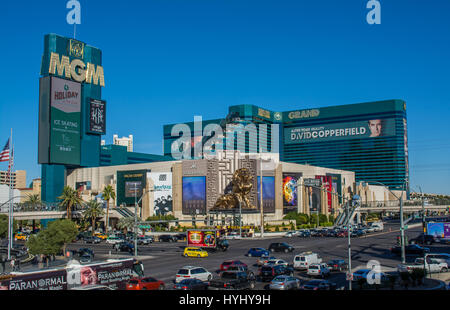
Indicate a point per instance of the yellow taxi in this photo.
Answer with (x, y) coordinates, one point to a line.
(194, 252)
(21, 236)
(101, 236)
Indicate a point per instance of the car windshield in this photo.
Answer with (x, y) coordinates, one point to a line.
(279, 279)
(314, 282)
(271, 261)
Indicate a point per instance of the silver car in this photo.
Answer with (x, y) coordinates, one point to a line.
(285, 283)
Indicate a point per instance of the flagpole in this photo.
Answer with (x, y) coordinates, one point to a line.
(10, 232)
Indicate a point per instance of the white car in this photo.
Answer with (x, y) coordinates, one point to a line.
(318, 270)
(191, 272)
(233, 235)
(304, 260)
(275, 262)
(114, 240)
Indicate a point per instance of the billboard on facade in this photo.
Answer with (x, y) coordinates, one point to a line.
(130, 186)
(370, 128)
(290, 190)
(65, 122)
(83, 186)
(336, 182)
(327, 181)
(313, 197)
(268, 188)
(194, 195)
(97, 116)
(162, 195)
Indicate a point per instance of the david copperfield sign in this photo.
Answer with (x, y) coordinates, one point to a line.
(351, 130)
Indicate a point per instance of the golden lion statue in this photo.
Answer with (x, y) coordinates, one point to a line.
(242, 183)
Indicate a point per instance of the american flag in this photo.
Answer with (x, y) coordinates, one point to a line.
(4, 155)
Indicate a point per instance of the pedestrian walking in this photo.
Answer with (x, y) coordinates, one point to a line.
(13, 264)
(3, 263)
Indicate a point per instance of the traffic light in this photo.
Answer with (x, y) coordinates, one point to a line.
(193, 221)
(211, 221)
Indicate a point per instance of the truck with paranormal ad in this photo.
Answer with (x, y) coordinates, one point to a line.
(113, 273)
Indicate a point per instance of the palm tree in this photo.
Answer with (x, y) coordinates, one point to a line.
(69, 198)
(126, 223)
(34, 200)
(92, 212)
(108, 194)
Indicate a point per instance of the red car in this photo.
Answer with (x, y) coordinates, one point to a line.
(342, 234)
(224, 266)
(147, 283)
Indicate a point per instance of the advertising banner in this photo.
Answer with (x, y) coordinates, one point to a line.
(130, 185)
(435, 229)
(340, 131)
(162, 185)
(201, 238)
(83, 186)
(65, 122)
(290, 190)
(336, 181)
(447, 230)
(114, 275)
(313, 197)
(326, 180)
(268, 186)
(43, 281)
(194, 195)
(97, 116)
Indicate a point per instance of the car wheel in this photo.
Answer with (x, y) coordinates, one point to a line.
(185, 255)
(444, 269)
(272, 250)
(161, 287)
(198, 255)
(249, 254)
(209, 277)
(286, 250)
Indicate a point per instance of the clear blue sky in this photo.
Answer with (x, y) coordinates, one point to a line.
(168, 60)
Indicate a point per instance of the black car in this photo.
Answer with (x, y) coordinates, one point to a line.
(337, 265)
(410, 249)
(124, 247)
(92, 239)
(319, 285)
(181, 236)
(167, 238)
(280, 247)
(85, 251)
(191, 284)
(222, 244)
(423, 239)
(304, 234)
(269, 272)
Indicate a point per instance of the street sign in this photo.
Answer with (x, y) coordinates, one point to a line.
(144, 226)
(349, 276)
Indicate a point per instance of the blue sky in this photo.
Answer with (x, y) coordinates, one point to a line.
(168, 60)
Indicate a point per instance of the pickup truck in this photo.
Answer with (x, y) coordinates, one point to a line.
(431, 266)
(233, 280)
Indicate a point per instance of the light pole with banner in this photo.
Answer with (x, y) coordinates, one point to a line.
(349, 276)
(402, 225)
(135, 214)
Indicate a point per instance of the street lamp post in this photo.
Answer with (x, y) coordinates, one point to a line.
(348, 229)
(402, 229)
(135, 216)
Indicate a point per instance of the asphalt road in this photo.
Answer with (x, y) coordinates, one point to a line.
(162, 260)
